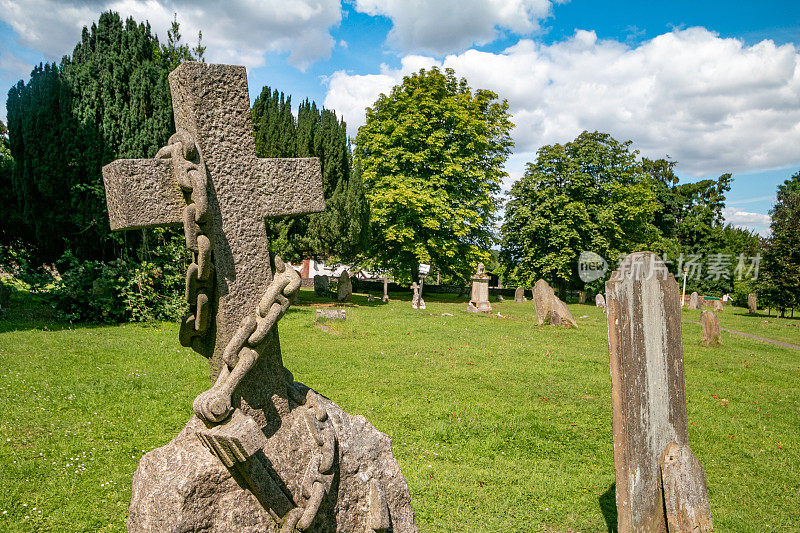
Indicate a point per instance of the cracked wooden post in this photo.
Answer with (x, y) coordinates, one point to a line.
(649, 402)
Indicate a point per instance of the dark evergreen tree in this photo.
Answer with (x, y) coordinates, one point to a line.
(341, 231)
(782, 255)
(110, 99)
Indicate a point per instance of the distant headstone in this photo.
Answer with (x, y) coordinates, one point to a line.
(711, 332)
(649, 401)
(599, 300)
(581, 297)
(519, 296)
(261, 452)
(416, 298)
(345, 290)
(385, 289)
(694, 301)
(479, 297)
(752, 306)
(322, 285)
(500, 298)
(549, 308)
(718, 308)
(330, 314)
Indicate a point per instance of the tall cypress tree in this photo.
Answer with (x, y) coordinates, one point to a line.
(110, 99)
(341, 231)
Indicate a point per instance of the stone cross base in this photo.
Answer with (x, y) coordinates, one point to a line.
(184, 487)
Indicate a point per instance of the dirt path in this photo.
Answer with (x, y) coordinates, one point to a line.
(750, 335)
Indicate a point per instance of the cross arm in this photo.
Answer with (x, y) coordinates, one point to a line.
(289, 186)
(142, 193)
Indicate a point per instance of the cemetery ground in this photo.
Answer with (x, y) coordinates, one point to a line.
(498, 425)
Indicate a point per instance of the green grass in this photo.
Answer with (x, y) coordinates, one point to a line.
(498, 425)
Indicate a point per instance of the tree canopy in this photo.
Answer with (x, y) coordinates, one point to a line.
(782, 254)
(341, 231)
(110, 99)
(431, 154)
(590, 194)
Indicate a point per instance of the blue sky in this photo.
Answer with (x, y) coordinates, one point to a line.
(713, 85)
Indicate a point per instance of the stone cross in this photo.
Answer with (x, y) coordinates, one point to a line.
(211, 103)
(649, 402)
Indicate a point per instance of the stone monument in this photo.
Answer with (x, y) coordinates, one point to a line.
(262, 451)
(322, 285)
(581, 297)
(344, 292)
(718, 308)
(660, 486)
(385, 297)
(416, 298)
(711, 333)
(479, 298)
(599, 300)
(752, 305)
(694, 301)
(549, 307)
(519, 296)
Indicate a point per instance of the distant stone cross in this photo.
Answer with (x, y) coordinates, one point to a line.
(211, 104)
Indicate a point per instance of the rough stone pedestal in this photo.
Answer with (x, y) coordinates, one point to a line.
(182, 487)
(479, 297)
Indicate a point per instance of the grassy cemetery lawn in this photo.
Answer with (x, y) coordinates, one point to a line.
(498, 425)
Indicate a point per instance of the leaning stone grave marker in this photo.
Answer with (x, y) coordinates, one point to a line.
(519, 296)
(549, 307)
(649, 403)
(345, 290)
(262, 451)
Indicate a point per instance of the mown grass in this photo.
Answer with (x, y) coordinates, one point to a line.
(498, 425)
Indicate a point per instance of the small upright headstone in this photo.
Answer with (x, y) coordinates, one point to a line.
(345, 290)
(385, 289)
(599, 300)
(581, 297)
(694, 301)
(416, 298)
(711, 332)
(718, 306)
(321, 285)
(549, 308)
(479, 298)
(752, 306)
(501, 298)
(649, 402)
(519, 296)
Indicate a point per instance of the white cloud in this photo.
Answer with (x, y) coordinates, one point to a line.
(712, 104)
(442, 26)
(237, 31)
(743, 219)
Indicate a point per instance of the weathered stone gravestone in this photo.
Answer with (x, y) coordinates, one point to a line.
(718, 308)
(659, 483)
(549, 307)
(385, 297)
(501, 298)
(694, 301)
(345, 290)
(581, 297)
(599, 300)
(330, 314)
(752, 306)
(262, 452)
(711, 333)
(416, 297)
(479, 297)
(322, 285)
(519, 296)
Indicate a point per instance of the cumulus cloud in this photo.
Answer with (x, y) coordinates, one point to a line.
(743, 219)
(711, 103)
(442, 26)
(237, 31)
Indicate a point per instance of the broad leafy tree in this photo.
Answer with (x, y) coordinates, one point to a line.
(431, 155)
(590, 194)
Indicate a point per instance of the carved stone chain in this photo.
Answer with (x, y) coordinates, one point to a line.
(239, 356)
(190, 173)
